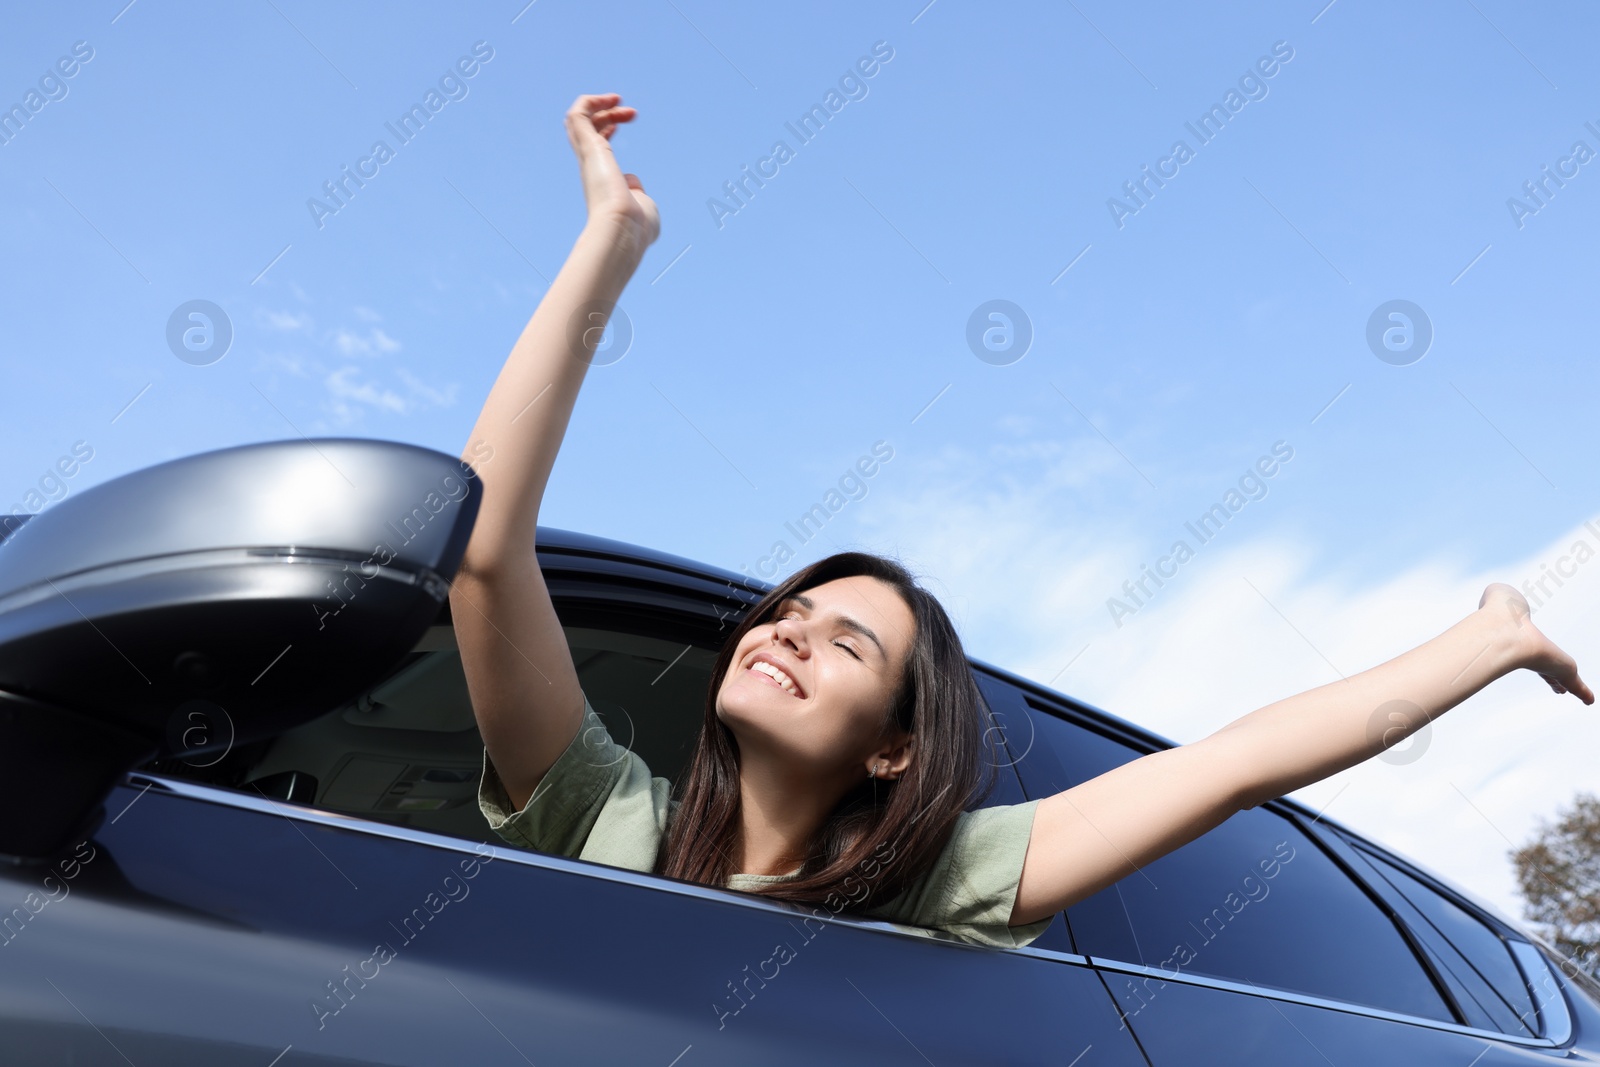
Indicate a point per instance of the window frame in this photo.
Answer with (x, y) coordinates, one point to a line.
(1544, 988)
(1030, 698)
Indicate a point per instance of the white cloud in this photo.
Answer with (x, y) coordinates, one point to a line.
(342, 386)
(1210, 648)
(349, 394)
(349, 391)
(294, 363)
(286, 321)
(1493, 765)
(422, 390)
(375, 342)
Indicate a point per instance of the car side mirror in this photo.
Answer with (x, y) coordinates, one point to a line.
(256, 587)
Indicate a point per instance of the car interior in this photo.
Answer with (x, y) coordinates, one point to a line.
(407, 751)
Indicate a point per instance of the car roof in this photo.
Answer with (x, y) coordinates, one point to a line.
(582, 544)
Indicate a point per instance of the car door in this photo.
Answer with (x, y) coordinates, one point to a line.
(1259, 942)
(297, 914)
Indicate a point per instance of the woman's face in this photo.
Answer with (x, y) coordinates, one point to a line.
(842, 645)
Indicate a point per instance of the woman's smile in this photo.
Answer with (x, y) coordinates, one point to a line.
(768, 679)
(774, 670)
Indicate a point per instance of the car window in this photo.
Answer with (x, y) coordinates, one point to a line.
(1255, 900)
(408, 752)
(1473, 960)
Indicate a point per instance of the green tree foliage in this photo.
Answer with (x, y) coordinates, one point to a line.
(1558, 873)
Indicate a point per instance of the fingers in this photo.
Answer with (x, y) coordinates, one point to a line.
(600, 111)
(1573, 684)
(588, 103)
(606, 121)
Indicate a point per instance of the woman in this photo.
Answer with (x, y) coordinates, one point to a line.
(842, 741)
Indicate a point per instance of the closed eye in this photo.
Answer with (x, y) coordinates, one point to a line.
(839, 644)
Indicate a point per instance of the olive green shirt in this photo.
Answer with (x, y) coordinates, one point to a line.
(599, 802)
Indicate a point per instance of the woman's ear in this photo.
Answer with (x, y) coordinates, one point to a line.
(894, 757)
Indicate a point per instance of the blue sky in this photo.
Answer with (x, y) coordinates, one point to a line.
(1172, 346)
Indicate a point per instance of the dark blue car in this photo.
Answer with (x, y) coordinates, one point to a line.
(239, 783)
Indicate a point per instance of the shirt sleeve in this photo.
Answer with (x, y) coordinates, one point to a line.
(597, 802)
(972, 887)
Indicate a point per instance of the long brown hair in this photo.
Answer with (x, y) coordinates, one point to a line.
(936, 701)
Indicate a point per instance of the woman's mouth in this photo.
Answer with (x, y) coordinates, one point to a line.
(773, 677)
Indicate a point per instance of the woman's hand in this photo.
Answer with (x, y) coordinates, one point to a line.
(1534, 650)
(614, 198)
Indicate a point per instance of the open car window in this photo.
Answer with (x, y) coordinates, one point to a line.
(407, 752)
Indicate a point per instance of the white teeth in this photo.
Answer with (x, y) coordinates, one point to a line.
(775, 674)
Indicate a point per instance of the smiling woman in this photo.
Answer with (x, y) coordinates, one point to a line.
(839, 761)
(841, 741)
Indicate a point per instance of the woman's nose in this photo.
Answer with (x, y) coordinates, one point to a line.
(791, 632)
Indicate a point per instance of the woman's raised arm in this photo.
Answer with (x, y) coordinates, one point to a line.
(1087, 837)
(519, 671)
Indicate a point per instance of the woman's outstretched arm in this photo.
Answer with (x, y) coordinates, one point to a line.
(519, 671)
(1087, 837)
